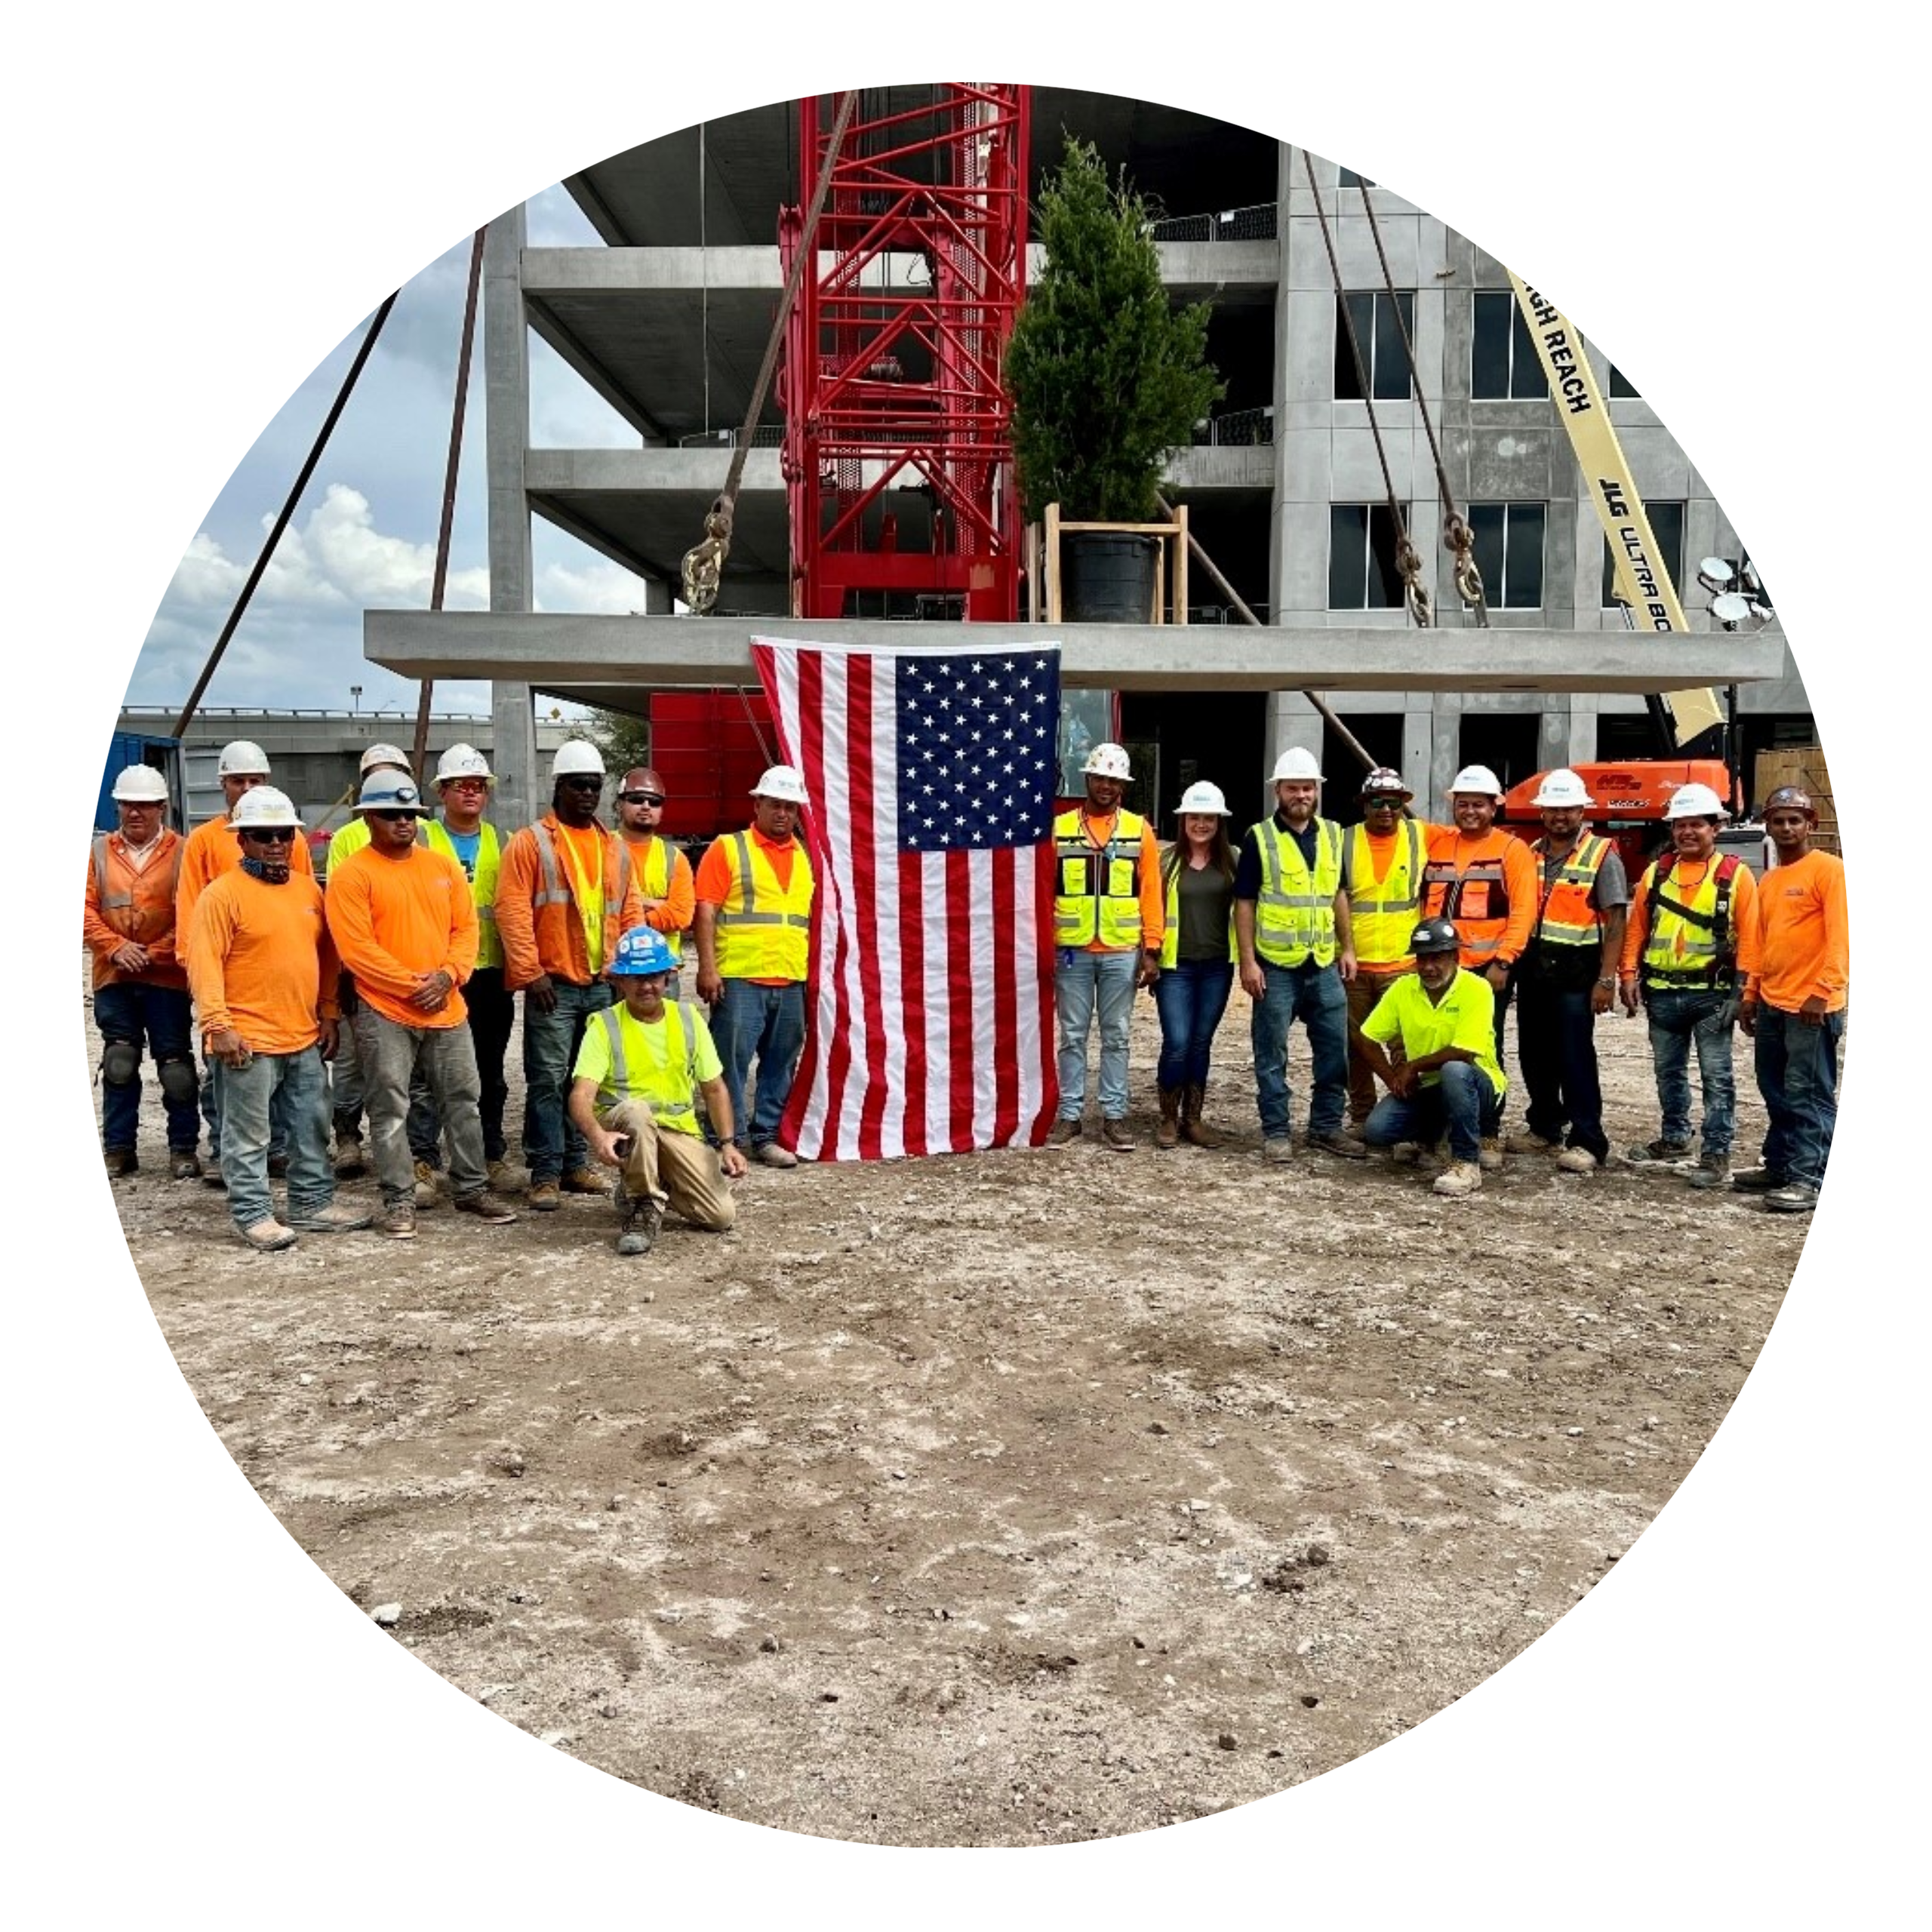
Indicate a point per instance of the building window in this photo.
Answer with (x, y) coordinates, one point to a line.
(1621, 385)
(1378, 333)
(1362, 575)
(1508, 552)
(1667, 526)
(1504, 361)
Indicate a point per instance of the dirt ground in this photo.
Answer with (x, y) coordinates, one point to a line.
(995, 1499)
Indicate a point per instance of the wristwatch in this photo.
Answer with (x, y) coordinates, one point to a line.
(1610, 983)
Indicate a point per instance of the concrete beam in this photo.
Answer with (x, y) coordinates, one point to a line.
(561, 649)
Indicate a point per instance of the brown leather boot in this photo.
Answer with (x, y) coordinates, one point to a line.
(1194, 1130)
(1167, 1134)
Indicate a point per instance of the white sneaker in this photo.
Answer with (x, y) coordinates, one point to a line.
(1462, 1177)
(1576, 1160)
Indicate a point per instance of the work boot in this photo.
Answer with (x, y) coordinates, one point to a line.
(1406, 1153)
(398, 1221)
(1489, 1158)
(347, 1158)
(544, 1195)
(268, 1235)
(638, 1223)
(428, 1186)
(1336, 1142)
(183, 1164)
(1795, 1197)
(1167, 1134)
(1713, 1170)
(1658, 1152)
(1114, 1133)
(772, 1155)
(585, 1180)
(1759, 1180)
(211, 1176)
(121, 1161)
(487, 1206)
(1530, 1143)
(1277, 1148)
(1193, 1128)
(337, 1218)
(506, 1176)
(1461, 1177)
(1577, 1161)
(1063, 1130)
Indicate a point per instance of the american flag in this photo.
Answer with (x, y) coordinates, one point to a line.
(929, 1010)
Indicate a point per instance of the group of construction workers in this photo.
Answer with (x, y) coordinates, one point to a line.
(1400, 945)
(386, 992)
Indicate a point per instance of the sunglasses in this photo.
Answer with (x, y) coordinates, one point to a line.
(389, 818)
(275, 835)
(587, 783)
(641, 797)
(467, 784)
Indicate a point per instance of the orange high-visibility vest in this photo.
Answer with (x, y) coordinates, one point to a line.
(1566, 916)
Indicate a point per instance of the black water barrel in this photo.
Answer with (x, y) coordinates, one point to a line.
(1107, 578)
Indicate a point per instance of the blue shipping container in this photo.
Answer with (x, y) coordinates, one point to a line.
(129, 748)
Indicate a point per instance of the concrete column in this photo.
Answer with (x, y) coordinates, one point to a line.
(1284, 159)
(506, 405)
(1419, 753)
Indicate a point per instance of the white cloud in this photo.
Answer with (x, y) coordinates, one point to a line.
(596, 585)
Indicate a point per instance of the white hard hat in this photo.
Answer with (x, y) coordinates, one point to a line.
(1108, 762)
(141, 785)
(263, 809)
(240, 758)
(575, 757)
(1694, 802)
(464, 761)
(1297, 763)
(385, 791)
(1562, 787)
(1476, 778)
(1203, 797)
(784, 782)
(384, 755)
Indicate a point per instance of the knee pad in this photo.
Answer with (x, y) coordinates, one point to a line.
(178, 1082)
(120, 1062)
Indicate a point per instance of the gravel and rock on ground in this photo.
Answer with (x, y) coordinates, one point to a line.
(992, 1500)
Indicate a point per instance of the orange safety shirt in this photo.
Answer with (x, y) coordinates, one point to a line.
(540, 940)
(712, 882)
(651, 855)
(213, 849)
(125, 901)
(1687, 876)
(1463, 876)
(395, 918)
(1153, 894)
(1803, 936)
(260, 961)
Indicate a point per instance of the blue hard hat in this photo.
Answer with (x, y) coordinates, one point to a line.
(643, 950)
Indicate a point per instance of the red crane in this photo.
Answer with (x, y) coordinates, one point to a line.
(898, 453)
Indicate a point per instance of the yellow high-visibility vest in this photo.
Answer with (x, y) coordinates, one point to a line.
(1691, 943)
(670, 1085)
(1294, 918)
(764, 930)
(1383, 913)
(1097, 887)
(482, 887)
(1171, 867)
(654, 881)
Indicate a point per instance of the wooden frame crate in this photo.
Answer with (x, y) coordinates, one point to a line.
(1043, 570)
(1802, 765)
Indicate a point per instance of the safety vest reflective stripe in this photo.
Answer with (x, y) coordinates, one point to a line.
(555, 892)
(618, 1085)
(1689, 943)
(1097, 887)
(120, 901)
(749, 914)
(1294, 915)
(764, 944)
(1382, 914)
(1567, 917)
(1445, 890)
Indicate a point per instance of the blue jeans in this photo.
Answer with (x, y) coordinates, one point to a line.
(161, 1017)
(767, 1022)
(1084, 982)
(551, 1144)
(294, 1085)
(1462, 1102)
(1680, 1018)
(1314, 996)
(1190, 996)
(211, 1113)
(1556, 1043)
(1798, 1074)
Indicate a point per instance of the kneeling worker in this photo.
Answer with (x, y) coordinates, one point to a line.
(1450, 1077)
(633, 1095)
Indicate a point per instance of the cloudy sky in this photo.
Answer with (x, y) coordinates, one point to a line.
(365, 530)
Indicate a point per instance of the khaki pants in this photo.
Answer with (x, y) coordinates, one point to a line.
(1367, 986)
(678, 1169)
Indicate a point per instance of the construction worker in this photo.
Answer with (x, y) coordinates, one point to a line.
(1296, 947)
(463, 779)
(346, 1076)
(1197, 962)
(402, 917)
(1108, 923)
(1482, 880)
(263, 972)
(752, 893)
(633, 1096)
(1690, 950)
(1794, 1007)
(1567, 976)
(140, 986)
(1449, 1078)
(664, 882)
(209, 850)
(1382, 865)
(566, 893)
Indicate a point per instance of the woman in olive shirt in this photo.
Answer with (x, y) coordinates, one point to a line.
(1197, 962)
